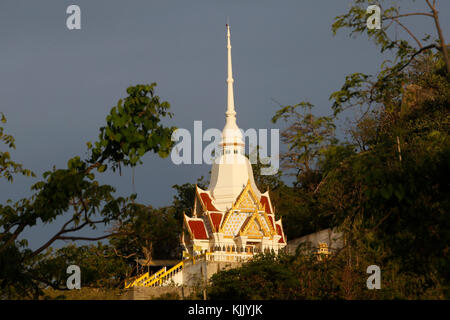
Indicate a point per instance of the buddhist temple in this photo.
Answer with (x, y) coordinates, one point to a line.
(231, 220)
(232, 215)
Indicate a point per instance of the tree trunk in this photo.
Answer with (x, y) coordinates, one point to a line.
(442, 40)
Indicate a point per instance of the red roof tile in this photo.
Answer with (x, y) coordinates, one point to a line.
(207, 201)
(216, 218)
(198, 229)
(271, 220)
(280, 233)
(265, 202)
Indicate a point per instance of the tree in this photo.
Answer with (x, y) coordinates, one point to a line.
(367, 91)
(7, 166)
(131, 131)
(391, 196)
(100, 265)
(265, 277)
(183, 201)
(149, 234)
(307, 136)
(385, 189)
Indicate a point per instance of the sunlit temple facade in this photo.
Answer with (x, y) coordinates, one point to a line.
(232, 216)
(230, 222)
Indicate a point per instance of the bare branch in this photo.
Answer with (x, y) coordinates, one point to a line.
(441, 35)
(122, 256)
(14, 236)
(320, 184)
(74, 238)
(52, 239)
(93, 166)
(409, 32)
(432, 7)
(431, 46)
(49, 283)
(409, 14)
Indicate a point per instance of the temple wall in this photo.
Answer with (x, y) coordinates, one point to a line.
(149, 293)
(182, 284)
(200, 272)
(331, 237)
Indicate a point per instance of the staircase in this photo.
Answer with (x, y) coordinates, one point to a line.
(164, 277)
(159, 278)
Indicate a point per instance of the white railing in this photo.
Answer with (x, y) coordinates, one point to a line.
(223, 256)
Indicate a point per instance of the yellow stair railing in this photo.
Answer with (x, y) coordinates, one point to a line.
(144, 278)
(172, 271)
(147, 280)
(132, 283)
(154, 276)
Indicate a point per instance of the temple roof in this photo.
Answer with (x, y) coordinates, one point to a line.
(280, 231)
(265, 201)
(206, 200)
(216, 219)
(196, 227)
(232, 204)
(245, 208)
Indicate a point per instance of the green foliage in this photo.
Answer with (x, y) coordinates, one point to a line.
(183, 201)
(303, 276)
(307, 136)
(382, 90)
(285, 277)
(355, 19)
(100, 266)
(134, 128)
(266, 277)
(386, 190)
(148, 234)
(265, 182)
(8, 167)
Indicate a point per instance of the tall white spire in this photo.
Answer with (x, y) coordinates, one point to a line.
(231, 113)
(232, 141)
(231, 170)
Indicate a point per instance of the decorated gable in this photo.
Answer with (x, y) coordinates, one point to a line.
(247, 203)
(255, 226)
(233, 223)
(249, 216)
(247, 200)
(254, 230)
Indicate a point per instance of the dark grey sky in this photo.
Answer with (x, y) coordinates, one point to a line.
(57, 86)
